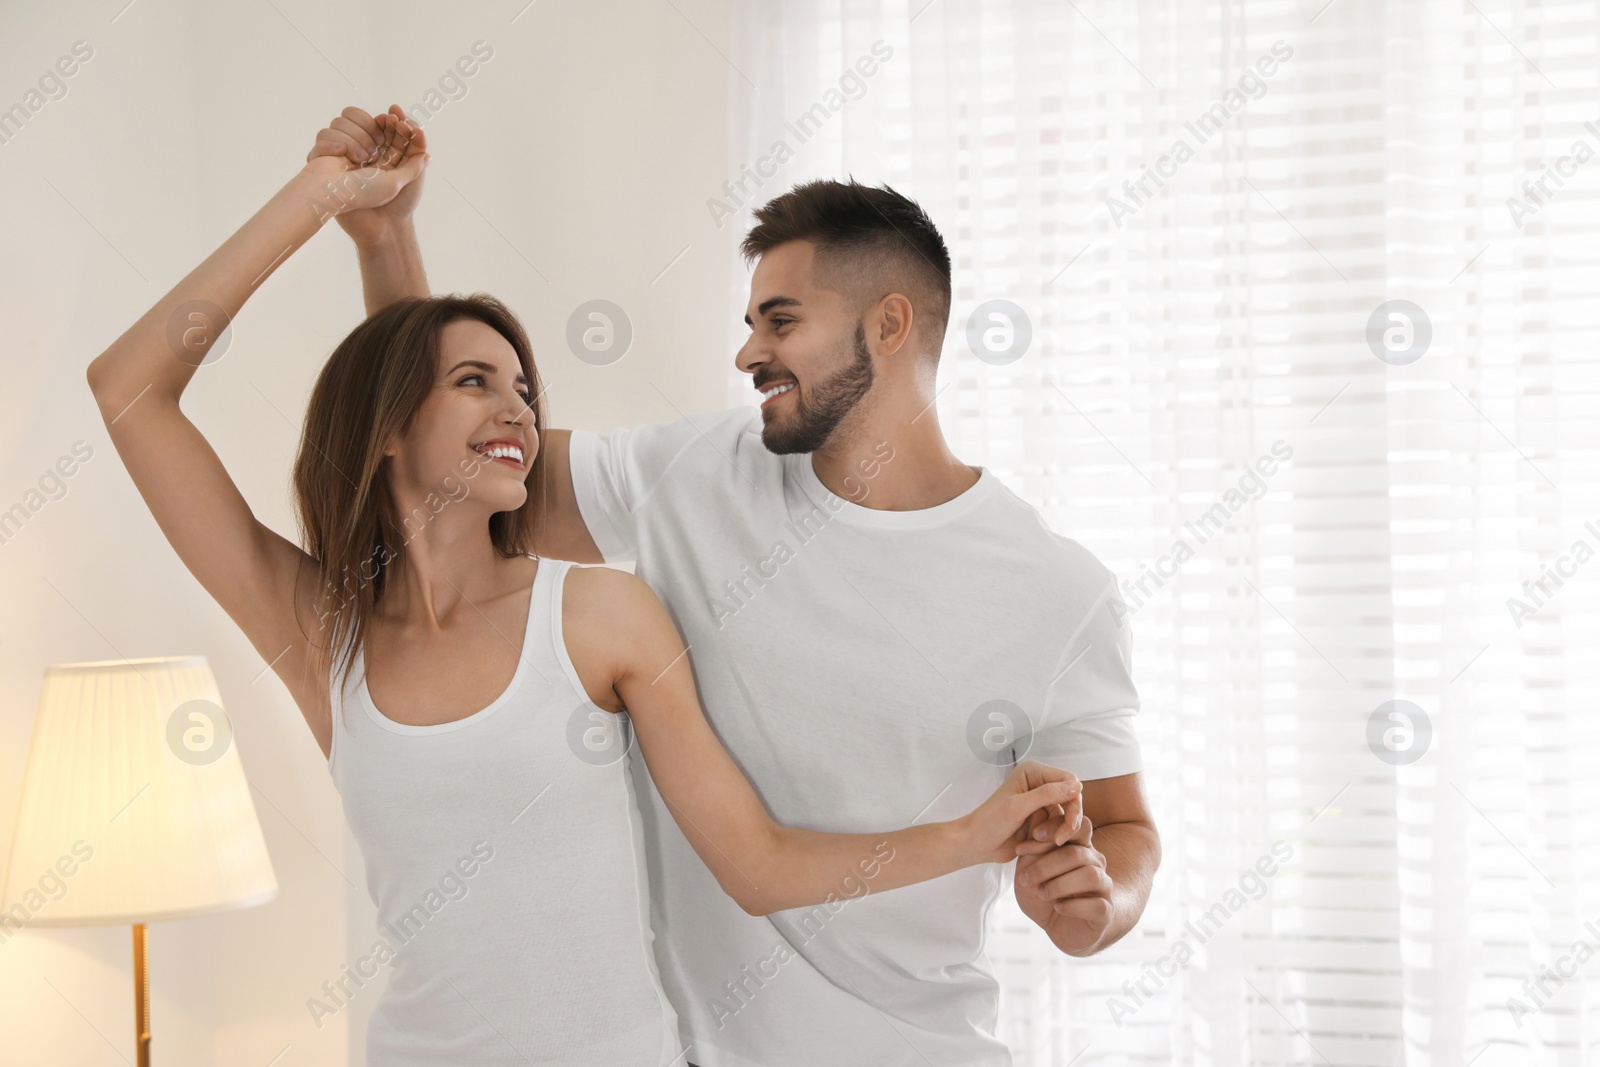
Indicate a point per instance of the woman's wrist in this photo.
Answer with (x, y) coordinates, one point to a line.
(960, 842)
(327, 188)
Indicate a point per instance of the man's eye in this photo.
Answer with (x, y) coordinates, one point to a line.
(781, 323)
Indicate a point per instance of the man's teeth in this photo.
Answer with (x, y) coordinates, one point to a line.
(776, 390)
(502, 452)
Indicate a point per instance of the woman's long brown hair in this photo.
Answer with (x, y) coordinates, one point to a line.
(366, 396)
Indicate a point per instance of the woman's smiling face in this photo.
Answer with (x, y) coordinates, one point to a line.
(476, 425)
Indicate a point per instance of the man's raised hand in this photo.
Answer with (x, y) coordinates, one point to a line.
(388, 141)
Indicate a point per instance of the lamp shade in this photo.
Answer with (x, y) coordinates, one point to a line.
(134, 806)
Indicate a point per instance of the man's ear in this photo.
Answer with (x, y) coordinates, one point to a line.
(892, 322)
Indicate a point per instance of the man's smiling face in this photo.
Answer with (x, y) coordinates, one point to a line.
(807, 351)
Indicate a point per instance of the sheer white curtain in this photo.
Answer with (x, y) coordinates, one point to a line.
(1319, 502)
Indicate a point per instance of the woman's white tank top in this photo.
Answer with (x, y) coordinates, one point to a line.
(503, 852)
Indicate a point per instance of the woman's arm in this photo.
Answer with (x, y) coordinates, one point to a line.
(620, 632)
(138, 381)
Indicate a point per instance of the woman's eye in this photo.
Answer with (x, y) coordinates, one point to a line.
(527, 397)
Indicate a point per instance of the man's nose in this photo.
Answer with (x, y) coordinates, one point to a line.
(749, 357)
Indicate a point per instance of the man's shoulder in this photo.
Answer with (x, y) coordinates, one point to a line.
(705, 433)
(1041, 550)
(717, 438)
(1029, 562)
(727, 422)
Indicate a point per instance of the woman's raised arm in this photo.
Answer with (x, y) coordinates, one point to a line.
(137, 382)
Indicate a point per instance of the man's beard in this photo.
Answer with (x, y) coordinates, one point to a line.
(830, 400)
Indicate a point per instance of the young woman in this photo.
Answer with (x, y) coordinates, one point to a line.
(466, 693)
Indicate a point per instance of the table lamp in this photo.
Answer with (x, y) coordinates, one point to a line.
(134, 808)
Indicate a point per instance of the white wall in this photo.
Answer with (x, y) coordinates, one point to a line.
(589, 142)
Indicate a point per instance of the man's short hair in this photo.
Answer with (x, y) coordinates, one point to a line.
(870, 242)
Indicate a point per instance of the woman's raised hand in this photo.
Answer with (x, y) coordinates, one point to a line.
(374, 166)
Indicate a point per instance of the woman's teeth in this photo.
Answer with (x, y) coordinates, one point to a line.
(503, 452)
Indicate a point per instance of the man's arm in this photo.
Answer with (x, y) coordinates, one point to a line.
(385, 237)
(561, 532)
(1089, 892)
(391, 266)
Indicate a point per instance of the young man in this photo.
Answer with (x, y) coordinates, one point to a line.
(877, 631)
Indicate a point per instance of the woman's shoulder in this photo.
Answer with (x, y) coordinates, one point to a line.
(616, 608)
(613, 625)
(604, 590)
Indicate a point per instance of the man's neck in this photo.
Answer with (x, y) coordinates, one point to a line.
(891, 464)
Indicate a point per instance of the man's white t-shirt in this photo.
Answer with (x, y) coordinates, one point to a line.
(867, 670)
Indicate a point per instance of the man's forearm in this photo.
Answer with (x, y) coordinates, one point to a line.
(391, 268)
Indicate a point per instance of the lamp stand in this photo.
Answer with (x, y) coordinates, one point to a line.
(141, 994)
